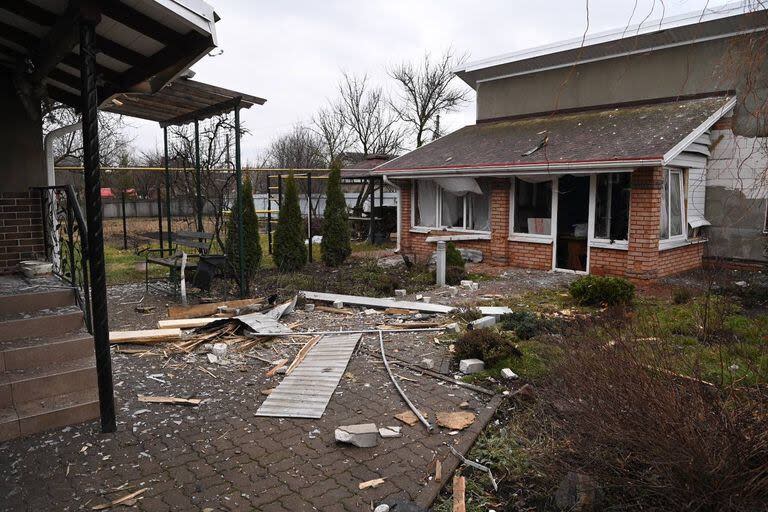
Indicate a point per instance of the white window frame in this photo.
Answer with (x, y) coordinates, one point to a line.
(673, 241)
(532, 237)
(439, 213)
(604, 243)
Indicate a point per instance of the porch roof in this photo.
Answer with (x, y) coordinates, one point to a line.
(623, 136)
(179, 102)
(141, 44)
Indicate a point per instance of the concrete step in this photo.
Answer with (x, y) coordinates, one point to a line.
(30, 302)
(39, 383)
(48, 413)
(39, 352)
(51, 323)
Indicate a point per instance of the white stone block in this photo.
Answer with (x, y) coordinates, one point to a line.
(470, 366)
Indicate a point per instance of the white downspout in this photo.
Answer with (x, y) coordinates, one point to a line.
(399, 209)
(49, 138)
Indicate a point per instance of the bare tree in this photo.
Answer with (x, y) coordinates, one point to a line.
(301, 148)
(216, 183)
(332, 131)
(366, 112)
(426, 91)
(113, 141)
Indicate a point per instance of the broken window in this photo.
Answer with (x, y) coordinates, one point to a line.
(612, 206)
(453, 203)
(672, 220)
(532, 206)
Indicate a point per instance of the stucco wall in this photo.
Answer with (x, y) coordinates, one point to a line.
(686, 70)
(737, 196)
(23, 162)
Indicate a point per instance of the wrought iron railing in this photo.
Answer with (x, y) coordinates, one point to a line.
(66, 241)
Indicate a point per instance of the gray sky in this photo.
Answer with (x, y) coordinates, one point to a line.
(293, 52)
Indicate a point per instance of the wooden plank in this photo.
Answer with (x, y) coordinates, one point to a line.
(377, 302)
(145, 336)
(186, 323)
(370, 483)
(459, 489)
(338, 311)
(302, 354)
(169, 400)
(201, 310)
(280, 364)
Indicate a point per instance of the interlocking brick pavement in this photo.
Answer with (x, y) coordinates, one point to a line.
(220, 456)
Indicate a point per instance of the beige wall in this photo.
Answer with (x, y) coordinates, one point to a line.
(685, 70)
(23, 163)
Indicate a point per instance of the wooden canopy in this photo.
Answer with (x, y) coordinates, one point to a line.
(180, 102)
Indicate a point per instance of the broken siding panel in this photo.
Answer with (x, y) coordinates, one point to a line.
(697, 181)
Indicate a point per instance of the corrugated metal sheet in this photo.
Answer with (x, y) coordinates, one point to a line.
(305, 393)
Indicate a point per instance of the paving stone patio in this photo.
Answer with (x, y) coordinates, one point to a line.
(219, 456)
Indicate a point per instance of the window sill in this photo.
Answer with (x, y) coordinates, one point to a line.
(665, 245)
(619, 245)
(533, 239)
(459, 238)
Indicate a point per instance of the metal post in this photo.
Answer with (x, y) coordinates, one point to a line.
(125, 222)
(198, 179)
(269, 215)
(168, 192)
(440, 264)
(160, 221)
(240, 208)
(381, 202)
(373, 198)
(90, 104)
(309, 213)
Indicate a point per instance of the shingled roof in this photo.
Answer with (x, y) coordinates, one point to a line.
(649, 134)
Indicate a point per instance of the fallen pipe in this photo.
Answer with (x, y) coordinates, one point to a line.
(418, 414)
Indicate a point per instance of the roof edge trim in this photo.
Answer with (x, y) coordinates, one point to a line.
(699, 131)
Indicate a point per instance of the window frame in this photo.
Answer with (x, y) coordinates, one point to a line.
(467, 212)
(515, 236)
(670, 239)
(601, 242)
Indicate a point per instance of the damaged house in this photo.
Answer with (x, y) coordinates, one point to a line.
(638, 153)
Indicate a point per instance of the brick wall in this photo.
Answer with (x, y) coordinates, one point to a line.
(499, 221)
(644, 218)
(680, 259)
(607, 262)
(530, 255)
(21, 230)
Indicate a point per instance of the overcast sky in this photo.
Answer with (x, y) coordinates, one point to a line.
(293, 52)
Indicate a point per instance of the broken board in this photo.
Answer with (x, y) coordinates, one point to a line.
(356, 300)
(305, 393)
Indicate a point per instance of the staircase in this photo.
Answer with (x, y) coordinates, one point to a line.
(47, 365)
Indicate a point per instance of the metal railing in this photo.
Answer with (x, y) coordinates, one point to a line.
(66, 241)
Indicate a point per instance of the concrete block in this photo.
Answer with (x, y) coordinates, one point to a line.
(389, 432)
(427, 363)
(509, 374)
(399, 293)
(466, 283)
(309, 307)
(338, 304)
(470, 366)
(426, 300)
(482, 323)
(364, 435)
(219, 349)
(453, 291)
(496, 311)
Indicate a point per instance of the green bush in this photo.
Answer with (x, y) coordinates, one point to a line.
(289, 251)
(525, 324)
(251, 243)
(335, 246)
(453, 256)
(597, 290)
(487, 344)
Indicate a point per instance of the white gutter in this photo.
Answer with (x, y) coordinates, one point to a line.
(50, 137)
(399, 208)
(571, 168)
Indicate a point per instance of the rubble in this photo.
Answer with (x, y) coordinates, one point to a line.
(389, 432)
(219, 349)
(470, 366)
(364, 435)
(455, 420)
(400, 293)
(427, 363)
(482, 323)
(509, 374)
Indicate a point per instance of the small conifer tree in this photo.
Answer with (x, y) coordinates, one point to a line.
(251, 240)
(335, 246)
(289, 251)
